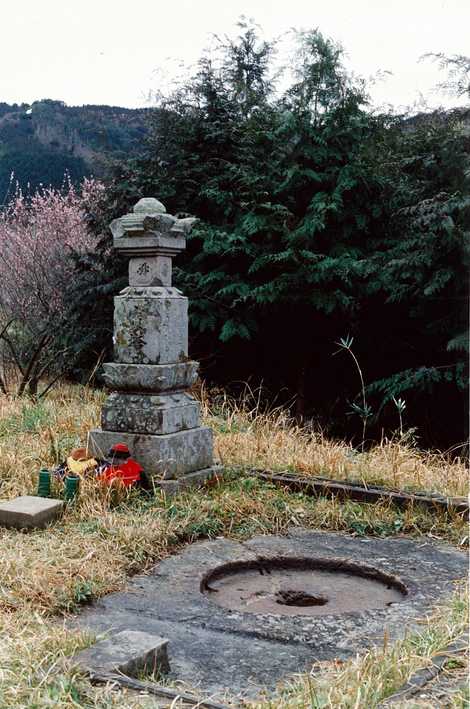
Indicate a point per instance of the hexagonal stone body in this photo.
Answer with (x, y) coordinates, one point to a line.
(150, 326)
(150, 377)
(147, 413)
(169, 456)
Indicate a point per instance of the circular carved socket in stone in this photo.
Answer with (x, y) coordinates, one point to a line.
(301, 586)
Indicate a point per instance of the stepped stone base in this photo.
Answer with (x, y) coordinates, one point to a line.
(191, 480)
(148, 413)
(167, 457)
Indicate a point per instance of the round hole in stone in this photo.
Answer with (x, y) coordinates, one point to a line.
(301, 586)
(292, 597)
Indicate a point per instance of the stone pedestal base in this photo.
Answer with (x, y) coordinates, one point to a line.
(191, 480)
(167, 457)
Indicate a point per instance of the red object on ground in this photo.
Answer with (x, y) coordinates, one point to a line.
(128, 472)
(120, 448)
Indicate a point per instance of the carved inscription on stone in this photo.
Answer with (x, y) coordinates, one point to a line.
(150, 271)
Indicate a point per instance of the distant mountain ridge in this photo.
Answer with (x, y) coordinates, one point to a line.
(42, 141)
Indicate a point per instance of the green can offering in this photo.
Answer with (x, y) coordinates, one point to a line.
(44, 483)
(71, 487)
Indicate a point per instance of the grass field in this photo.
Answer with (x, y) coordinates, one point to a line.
(109, 535)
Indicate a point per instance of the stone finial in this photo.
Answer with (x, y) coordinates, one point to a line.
(150, 231)
(149, 205)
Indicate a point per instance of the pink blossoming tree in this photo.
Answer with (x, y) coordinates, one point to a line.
(40, 238)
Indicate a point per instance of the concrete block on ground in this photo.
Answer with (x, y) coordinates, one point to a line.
(28, 512)
(150, 413)
(128, 652)
(192, 480)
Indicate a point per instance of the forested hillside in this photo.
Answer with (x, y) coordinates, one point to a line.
(41, 142)
(330, 261)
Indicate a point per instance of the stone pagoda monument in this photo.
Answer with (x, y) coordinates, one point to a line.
(149, 408)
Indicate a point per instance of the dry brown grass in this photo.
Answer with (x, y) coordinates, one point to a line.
(248, 437)
(245, 437)
(106, 536)
(92, 549)
(36, 671)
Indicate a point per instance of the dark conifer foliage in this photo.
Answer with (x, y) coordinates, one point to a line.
(318, 219)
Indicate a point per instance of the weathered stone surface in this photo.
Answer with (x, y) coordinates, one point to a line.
(183, 226)
(129, 652)
(197, 479)
(149, 205)
(28, 511)
(219, 650)
(147, 413)
(149, 245)
(149, 231)
(150, 377)
(151, 354)
(151, 328)
(137, 224)
(150, 271)
(169, 456)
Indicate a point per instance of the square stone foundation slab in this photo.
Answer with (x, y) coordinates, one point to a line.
(28, 512)
(166, 457)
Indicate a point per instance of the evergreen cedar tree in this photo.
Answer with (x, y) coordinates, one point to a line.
(318, 219)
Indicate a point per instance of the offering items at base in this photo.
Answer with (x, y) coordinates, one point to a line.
(117, 466)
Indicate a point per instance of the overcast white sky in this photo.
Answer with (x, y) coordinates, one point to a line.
(110, 51)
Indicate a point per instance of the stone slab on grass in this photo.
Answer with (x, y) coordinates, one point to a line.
(217, 649)
(128, 652)
(29, 512)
